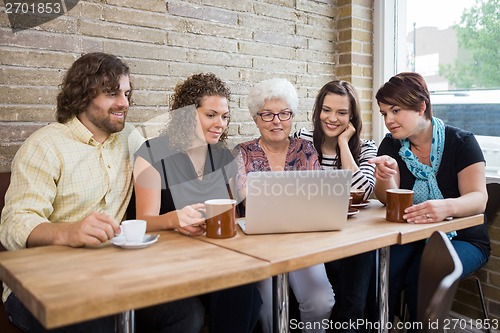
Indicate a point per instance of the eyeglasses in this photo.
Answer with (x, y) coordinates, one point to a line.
(269, 116)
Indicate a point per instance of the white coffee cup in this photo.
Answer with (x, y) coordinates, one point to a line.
(133, 230)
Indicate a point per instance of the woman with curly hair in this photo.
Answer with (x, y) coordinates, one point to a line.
(186, 165)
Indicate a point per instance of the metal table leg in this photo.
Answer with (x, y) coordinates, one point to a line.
(383, 290)
(280, 303)
(125, 322)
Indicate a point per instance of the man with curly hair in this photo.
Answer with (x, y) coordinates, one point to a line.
(72, 181)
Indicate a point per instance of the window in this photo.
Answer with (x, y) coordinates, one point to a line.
(417, 35)
(477, 111)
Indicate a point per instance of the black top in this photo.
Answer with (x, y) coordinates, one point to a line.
(180, 184)
(460, 150)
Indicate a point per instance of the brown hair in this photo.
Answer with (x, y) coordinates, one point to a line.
(191, 92)
(407, 90)
(90, 75)
(194, 88)
(342, 88)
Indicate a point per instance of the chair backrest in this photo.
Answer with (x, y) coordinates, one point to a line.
(4, 185)
(440, 271)
(5, 324)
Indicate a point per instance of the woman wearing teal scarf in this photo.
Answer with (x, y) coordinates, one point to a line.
(445, 168)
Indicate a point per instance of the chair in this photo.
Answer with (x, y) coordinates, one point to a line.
(5, 324)
(440, 271)
(4, 185)
(476, 279)
(491, 211)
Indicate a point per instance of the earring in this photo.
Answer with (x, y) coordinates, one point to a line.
(421, 123)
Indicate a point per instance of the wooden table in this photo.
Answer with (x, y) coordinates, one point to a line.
(366, 231)
(62, 285)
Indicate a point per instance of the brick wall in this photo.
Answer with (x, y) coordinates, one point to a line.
(308, 42)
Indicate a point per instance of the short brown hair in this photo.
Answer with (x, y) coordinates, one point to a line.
(407, 90)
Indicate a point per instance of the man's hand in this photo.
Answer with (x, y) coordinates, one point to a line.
(93, 230)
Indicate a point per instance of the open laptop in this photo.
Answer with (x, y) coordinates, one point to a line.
(296, 201)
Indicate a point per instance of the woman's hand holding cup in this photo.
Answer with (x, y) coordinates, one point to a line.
(192, 220)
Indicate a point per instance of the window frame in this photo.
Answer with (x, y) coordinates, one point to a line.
(389, 22)
(389, 52)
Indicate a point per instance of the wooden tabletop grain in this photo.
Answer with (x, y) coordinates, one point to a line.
(62, 285)
(368, 230)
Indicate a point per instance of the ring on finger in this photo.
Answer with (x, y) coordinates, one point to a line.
(427, 216)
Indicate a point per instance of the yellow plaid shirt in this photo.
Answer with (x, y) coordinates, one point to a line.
(61, 174)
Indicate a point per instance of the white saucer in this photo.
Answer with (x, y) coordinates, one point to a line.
(352, 211)
(147, 240)
(361, 205)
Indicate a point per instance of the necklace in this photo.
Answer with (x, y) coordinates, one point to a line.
(198, 160)
(199, 172)
(417, 152)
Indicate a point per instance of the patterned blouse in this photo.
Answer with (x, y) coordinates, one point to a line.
(301, 155)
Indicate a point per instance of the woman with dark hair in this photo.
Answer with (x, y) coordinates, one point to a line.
(186, 165)
(443, 165)
(336, 136)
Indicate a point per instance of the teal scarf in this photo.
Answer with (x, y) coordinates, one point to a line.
(426, 185)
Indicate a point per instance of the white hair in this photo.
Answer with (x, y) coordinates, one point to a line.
(272, 89)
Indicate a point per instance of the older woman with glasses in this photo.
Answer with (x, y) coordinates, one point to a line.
(272, 105)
